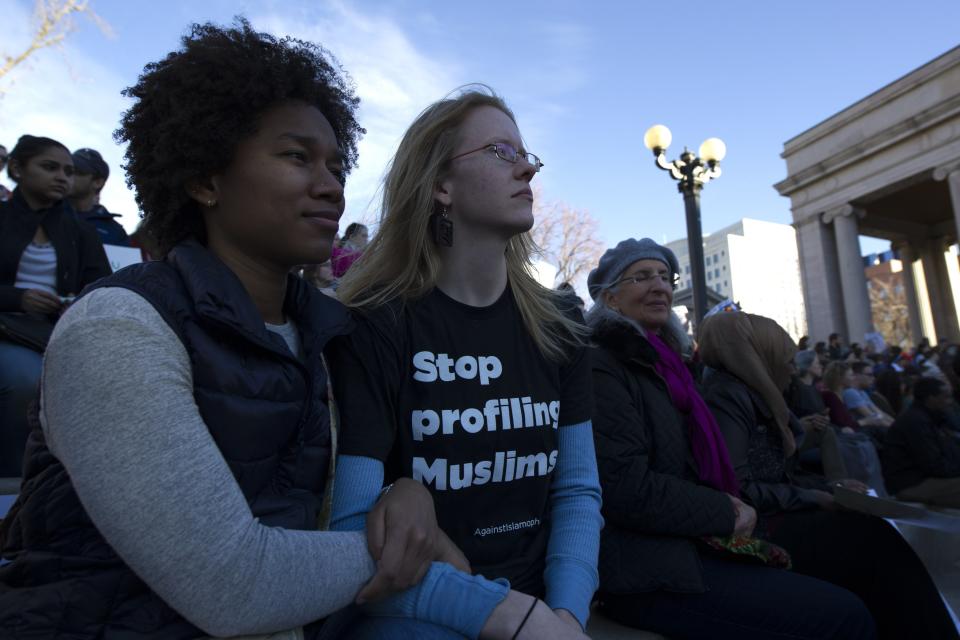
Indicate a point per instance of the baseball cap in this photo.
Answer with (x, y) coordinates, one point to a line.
(90, 161)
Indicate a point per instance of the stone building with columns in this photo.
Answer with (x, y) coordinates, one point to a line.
(888, 167)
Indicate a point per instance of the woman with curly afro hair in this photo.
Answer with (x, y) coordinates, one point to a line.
(182, 486)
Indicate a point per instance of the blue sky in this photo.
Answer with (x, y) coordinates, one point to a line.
(585, 79)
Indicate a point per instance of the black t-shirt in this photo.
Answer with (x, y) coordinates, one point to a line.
(461, 399)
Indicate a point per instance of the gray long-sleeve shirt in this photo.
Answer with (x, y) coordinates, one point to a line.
(118, 411)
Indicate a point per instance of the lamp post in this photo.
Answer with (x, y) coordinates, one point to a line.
(692, 173)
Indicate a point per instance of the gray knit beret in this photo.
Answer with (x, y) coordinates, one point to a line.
(804, 360)
(615, 261)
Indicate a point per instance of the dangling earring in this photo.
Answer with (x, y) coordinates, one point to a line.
(211, 202)
(441, 228)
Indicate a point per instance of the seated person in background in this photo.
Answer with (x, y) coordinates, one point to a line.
(859, 459)
(47, 256)
(668, 483)
(180, 487)
(456, 347)
(321, 276)
(835, 347)
(837, 377)
(822, 354)
(140, 239)
(857, 399)
(90, 176)
(856, 352)
(818, 444)
(921, 455)
(4, 192)
(752, 357)
(891, 385)
(567, 289)
(349, 248)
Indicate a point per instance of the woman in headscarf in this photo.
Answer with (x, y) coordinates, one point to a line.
(671, 499)
(751, 361)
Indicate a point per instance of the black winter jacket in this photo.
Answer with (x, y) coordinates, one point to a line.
(80, 256)
(652, 504)
(755, 445)
(110, 231)
(265, 409)
(919, 445)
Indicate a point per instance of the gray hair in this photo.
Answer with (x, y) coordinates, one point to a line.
(672, 333)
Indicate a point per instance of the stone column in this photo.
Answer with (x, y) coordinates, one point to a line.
(907, 257)
(853, 281)
(822, 297)
(938, 290)
(951, 173)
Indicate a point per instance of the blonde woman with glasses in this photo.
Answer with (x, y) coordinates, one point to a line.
(467, 375)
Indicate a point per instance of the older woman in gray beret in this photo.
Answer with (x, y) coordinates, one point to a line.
(670, 495)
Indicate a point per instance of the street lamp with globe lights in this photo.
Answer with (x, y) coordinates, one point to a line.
(691, 173)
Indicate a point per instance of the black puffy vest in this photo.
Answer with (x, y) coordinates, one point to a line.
(265, 409)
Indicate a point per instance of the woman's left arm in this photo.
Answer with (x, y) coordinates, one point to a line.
(571, 574)
(93, 258)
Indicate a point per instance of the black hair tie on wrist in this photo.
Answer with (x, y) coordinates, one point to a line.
(525, 618)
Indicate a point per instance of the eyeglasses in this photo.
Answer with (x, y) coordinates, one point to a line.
(506, 152)
(647, 278)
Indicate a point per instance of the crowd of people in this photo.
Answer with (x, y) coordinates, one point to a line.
(272, 430)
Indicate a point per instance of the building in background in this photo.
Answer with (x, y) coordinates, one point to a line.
(888, 167)
(755, 264)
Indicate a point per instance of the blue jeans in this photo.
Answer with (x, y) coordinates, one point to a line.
(19, 380)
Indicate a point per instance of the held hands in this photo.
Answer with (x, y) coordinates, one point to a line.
(746, 517)
(814, 422)
(37, 301)
(403, 538)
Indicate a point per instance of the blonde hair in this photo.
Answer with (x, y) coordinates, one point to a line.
(402, 260)
(833, 375)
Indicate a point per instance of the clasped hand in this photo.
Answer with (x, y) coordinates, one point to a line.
(403, 538)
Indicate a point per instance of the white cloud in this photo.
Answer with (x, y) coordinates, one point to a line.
(394, 79)
(68, 96)
(63, 94)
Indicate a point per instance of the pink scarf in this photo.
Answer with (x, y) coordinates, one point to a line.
(709, 448)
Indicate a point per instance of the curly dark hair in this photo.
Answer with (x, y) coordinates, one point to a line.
(196, 105)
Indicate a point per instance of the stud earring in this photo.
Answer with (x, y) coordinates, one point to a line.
(211, 202)
(441, 228)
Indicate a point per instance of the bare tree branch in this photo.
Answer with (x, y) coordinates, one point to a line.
(53, 23)
(567, 238)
